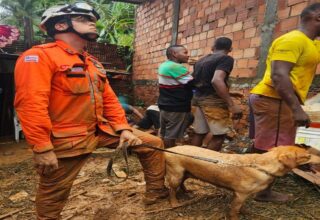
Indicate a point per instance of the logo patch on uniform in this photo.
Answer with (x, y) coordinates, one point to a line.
(77, 69)
(31, 59)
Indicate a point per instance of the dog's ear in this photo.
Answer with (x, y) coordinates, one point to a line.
(288, 160)
(303, 158)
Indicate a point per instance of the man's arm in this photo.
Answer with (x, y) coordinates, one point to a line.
(220, 87)
(182, 75)
(33, 75)
(280, 72)
(136, 112)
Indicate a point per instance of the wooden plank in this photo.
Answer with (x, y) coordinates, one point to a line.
(11, 213)
(117, 71)
(313, 177)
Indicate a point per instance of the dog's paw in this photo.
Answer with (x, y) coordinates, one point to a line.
(175, 204)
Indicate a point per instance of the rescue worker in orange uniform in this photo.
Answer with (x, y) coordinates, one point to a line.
(67, 109)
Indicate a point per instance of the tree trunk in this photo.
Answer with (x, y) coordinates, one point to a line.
(28, 33)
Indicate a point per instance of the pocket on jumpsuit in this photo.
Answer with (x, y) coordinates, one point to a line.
(65, 138)
(75, 79)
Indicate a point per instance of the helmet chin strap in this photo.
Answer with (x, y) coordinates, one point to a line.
(90, 36)
(86, 36)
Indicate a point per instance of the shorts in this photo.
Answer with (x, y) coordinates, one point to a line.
(273, 121)
(174, 124)
(212, 119)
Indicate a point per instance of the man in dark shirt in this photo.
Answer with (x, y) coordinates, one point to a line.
(212, 99)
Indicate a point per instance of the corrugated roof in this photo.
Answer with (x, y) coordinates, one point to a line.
(131, 1)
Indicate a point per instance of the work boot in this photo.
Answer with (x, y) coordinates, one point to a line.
(153, 196)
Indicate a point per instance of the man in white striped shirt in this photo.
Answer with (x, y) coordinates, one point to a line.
(175, 94)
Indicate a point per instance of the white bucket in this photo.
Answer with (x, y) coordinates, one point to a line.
(309, 136)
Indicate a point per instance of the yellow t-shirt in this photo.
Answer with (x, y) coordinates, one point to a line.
(294, 47)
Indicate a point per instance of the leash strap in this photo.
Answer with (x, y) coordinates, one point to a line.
(124, 150)
(120, 148)
(209, 159)
(185, 155)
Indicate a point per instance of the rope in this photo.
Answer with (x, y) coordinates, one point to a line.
(123, 149)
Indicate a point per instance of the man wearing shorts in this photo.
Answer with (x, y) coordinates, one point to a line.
(212, 100)
(276, 100)
(175, 94)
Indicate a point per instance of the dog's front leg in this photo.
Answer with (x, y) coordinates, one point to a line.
(236, 205)
(173, 198)
(174, 178)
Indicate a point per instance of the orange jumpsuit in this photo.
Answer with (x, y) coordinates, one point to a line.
(65, 103)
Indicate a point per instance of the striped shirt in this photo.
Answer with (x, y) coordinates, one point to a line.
(175, 90)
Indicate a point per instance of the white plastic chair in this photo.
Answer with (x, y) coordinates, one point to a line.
(17, 127)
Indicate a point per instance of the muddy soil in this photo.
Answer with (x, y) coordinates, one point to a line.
(95, 197)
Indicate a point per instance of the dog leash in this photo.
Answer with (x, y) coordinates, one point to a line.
(120, 148)
(123, 148)
(209, 159)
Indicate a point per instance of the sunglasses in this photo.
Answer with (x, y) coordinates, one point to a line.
(83, 18)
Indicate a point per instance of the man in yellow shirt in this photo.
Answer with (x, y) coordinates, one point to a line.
(276, 100)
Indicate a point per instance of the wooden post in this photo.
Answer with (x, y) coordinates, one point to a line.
(175, 21)
(28, 32)
(270, 20)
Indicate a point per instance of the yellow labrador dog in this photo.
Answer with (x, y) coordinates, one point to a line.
(244, 174)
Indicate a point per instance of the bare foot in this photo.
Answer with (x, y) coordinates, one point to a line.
(273, 197)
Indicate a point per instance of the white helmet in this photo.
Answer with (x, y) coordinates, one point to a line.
(78, 8)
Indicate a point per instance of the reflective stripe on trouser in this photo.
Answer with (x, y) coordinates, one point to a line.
(54, 189)
(152, 161)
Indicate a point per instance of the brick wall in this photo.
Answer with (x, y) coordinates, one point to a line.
(200, 22)
(111, 59)
(107, 54)
(153, 35)
(122, 86)
(204, 20)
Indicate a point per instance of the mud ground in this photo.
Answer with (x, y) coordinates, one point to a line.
(95, 197)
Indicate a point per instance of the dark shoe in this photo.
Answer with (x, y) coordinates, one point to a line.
(273, 197)
(153, 196)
